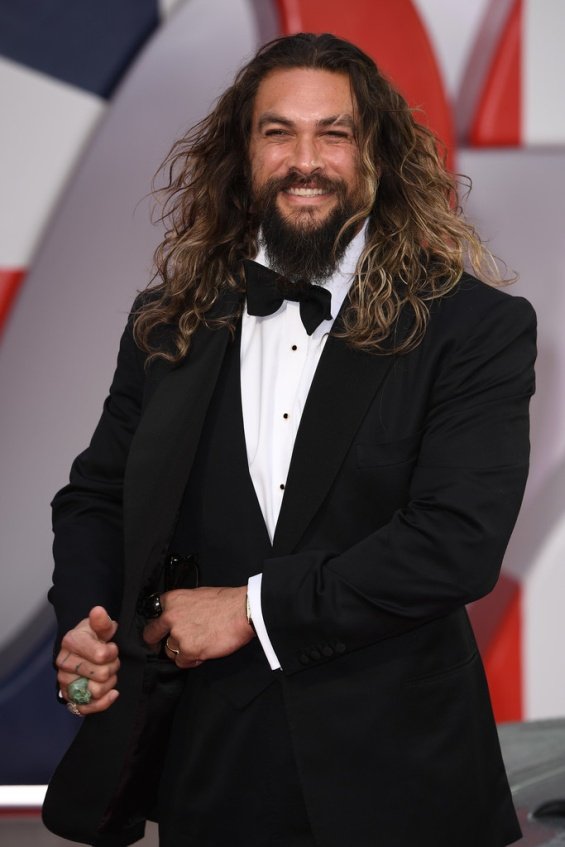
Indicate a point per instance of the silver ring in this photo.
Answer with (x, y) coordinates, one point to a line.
(171, 649)
(73, 709)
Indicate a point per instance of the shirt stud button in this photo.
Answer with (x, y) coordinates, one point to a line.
(285, 416)
(294, 347)
(281, 486)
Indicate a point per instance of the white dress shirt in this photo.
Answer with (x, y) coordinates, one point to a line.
(278, 362)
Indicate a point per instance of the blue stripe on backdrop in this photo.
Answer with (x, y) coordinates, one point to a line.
(90, 45)
(36, 729)
(87, 43)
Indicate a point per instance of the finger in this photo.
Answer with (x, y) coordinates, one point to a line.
(155, 631)
(171, 647)
(97, 690)
(79, 666)
(95, 674)
(102, 624)
(67, 659)
(100, 689)
(186, 663)
(82, 644)
(100, 705)
(79, 644)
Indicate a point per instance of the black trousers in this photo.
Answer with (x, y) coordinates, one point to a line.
(230, 778)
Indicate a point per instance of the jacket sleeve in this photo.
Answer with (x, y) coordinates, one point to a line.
(444, 549)
(87, 513)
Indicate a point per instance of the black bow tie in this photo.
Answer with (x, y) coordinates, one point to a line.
(266, 291)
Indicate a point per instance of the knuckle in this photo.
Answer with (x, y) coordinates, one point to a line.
(98, 691)
(164, 620)
(99, 655)
(109, 677)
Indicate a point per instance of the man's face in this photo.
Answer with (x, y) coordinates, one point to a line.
(303, 151)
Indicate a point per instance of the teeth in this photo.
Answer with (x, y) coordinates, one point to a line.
(306, 192)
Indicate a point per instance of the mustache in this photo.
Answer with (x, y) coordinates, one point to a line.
(298, 180)
(294, 179)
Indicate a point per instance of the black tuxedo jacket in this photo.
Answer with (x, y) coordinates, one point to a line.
(405, 482)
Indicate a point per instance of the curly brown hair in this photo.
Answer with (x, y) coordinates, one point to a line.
(418, 242)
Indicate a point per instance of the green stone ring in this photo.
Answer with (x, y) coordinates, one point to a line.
(78, 692)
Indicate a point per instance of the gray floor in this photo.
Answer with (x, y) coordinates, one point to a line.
(29, 832)
(534, 754)
(535, 760)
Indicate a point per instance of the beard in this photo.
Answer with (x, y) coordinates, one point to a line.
(299, 246)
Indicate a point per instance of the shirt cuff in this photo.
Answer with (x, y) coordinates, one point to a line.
(254, 595)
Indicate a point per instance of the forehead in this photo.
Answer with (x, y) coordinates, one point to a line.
(303, 94)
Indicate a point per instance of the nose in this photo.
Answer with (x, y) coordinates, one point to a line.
(305, 156)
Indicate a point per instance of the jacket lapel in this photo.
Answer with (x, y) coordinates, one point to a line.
(343, 388)
(164, 448)
(166, 442)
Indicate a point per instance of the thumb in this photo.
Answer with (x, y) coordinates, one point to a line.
(102, 624)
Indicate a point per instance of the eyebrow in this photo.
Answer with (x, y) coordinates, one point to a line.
(333, 120)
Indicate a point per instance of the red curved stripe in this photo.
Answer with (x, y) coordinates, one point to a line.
(9, 284)
(503, 664)
(498, 118)
(392, 33)
(497, 622)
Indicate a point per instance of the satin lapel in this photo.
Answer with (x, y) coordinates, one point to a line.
(344, 385)
(163, 450)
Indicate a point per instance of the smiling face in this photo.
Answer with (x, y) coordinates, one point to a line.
(305, 169)
(303, 149)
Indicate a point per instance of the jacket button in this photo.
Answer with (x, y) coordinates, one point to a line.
(315, 654)
(304, 659)
(340, 647)
(327, 650)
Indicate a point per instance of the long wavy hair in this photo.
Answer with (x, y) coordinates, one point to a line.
(418, 243)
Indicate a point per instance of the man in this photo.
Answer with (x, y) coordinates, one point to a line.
(344, 462)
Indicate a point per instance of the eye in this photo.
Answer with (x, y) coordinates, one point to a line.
(276, 132)
(337, 133)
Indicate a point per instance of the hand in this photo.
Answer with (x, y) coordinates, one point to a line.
(87, 650)
(203, 623)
